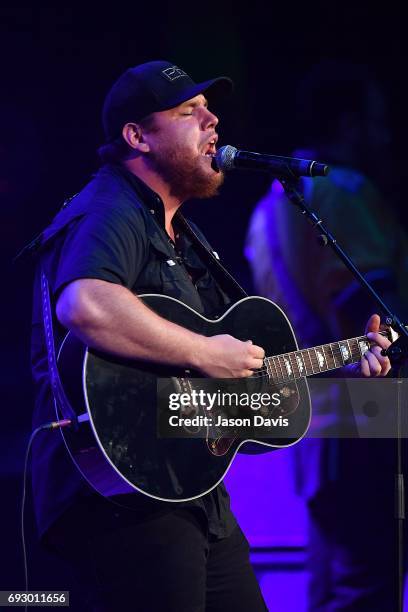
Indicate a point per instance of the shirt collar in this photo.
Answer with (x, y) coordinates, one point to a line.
(149, 198)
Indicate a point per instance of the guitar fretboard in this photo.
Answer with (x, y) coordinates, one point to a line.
(298, 364)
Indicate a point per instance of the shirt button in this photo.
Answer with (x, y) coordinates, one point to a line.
(152, 211)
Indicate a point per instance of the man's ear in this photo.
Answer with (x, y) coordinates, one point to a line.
(132, 134)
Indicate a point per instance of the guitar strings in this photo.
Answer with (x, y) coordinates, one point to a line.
(264, 372)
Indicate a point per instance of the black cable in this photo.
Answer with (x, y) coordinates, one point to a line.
(50, 425)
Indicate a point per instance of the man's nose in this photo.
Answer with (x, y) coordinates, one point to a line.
(209, 119)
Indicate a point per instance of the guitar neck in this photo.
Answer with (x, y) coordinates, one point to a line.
(310, 361)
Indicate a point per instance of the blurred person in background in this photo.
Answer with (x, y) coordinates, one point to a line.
(348, 483)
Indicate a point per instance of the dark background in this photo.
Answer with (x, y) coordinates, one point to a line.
(57, 63)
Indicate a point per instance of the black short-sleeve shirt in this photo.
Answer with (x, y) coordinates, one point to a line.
(112, 230)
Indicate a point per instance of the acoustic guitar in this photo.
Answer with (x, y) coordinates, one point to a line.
(131, 437)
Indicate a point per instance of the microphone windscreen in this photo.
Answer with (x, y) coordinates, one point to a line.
(224, 158)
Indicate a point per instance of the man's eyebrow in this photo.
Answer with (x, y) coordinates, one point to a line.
(195, 103)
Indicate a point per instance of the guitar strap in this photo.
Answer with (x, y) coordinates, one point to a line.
(227, 282)
(58, 392)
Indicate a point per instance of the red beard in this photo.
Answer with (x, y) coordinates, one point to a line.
(188, 177)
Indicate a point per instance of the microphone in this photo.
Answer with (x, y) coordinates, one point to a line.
(230, 158)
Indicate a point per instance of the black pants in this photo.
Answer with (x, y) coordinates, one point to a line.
(164, 563)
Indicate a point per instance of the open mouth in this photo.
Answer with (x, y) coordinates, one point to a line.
(209, 149)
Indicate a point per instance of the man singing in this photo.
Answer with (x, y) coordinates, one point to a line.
(123, 235)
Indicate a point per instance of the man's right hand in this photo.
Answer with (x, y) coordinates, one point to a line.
(226, 357)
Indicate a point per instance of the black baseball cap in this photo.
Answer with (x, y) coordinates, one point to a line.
(152, 87)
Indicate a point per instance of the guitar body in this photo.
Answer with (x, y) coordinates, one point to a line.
(116, 446)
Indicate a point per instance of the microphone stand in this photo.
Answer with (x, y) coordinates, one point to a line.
(397, 353)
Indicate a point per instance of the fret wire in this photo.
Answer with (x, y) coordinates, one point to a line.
(288, 367)
(268, 369)
(317, 365)
(358, 344)
(354, 348)
(359, 340)
(339, 353)
(295, 365)
(317, 360)
(302, 358)
(319, 351)
(312, 356)
(350, 350)
(359, 347)
(266, 365)
(334, 359)
(310, 370)
(324, 357)
(327, 356)
(355, 355)
(283, 368)
(276, 369)
(280, 367)
(276, 376)
(272, 363)
(304, 361)
(291, 365)
(346, 347)
(311, 360)
(283, 365)
(273, 371)
(289, 362)
(286, 359)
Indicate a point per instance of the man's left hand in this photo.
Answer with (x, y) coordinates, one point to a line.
(372, 363)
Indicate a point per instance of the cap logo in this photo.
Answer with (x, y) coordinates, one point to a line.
(173, 73)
